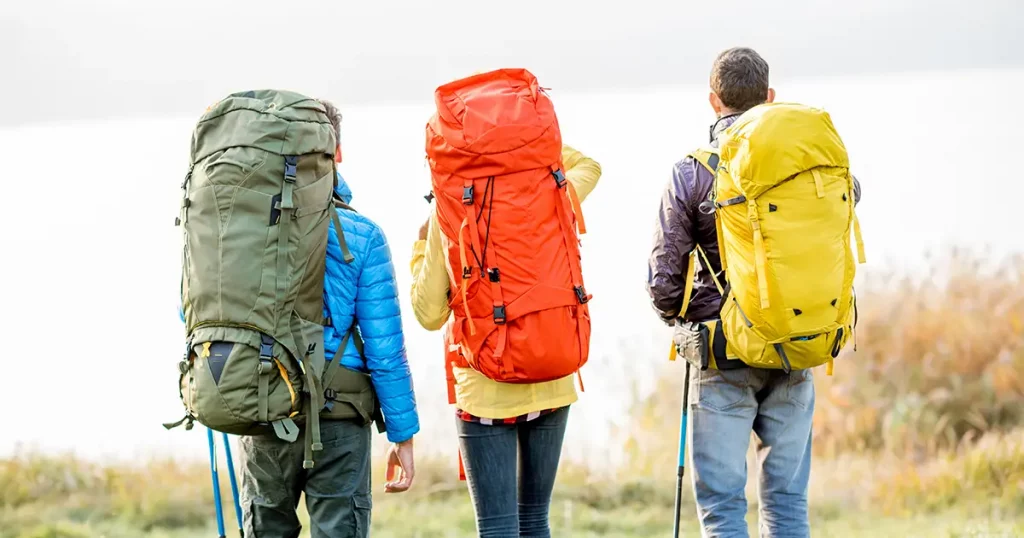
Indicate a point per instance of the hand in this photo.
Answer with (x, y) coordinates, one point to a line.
(423, 230)
(400, 467)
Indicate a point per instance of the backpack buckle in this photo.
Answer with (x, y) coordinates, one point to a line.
(467, 272)
(291, 163)
(493, 274)
(581, 294)
(266, 347)
(559, 178)
(467, 195)
(330, 395)
(265, 367)
(499, 315)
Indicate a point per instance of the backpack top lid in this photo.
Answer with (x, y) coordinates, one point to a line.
(493, 123)
(775, 141)
(281, 122)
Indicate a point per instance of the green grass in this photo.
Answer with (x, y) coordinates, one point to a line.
(454, 518)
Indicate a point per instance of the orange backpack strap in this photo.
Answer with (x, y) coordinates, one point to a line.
(570, 242)
(575, 199)
(467, 273)
(494, 275)
(568, 236)
(450, 378)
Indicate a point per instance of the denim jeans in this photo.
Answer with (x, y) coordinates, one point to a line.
(337, 488)
(725, 406)
(511, 471)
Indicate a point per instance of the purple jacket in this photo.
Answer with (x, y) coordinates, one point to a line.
(682, 225)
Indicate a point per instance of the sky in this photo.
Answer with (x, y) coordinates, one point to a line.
(68, 61)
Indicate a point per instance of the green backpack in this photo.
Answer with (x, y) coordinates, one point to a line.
(255, 210)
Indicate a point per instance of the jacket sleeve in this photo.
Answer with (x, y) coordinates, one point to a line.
(380, 325)
(673, 241)
(582, 171)
(430, 279)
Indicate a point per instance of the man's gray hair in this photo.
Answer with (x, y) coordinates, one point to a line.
(335, 116)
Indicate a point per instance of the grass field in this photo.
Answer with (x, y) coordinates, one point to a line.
(976, 490)
(920, 433)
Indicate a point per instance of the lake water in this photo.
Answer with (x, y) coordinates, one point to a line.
(91, 256)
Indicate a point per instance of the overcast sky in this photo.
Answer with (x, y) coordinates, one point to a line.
(98, 59)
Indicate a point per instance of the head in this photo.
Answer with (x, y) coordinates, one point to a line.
(335, 116)
(739, 82)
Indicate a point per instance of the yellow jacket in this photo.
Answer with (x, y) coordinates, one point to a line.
(475, 393)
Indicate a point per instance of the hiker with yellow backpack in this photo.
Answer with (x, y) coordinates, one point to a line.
(498, 265)
(753, 264)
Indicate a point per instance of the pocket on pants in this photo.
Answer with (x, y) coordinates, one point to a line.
(723, 390)
(362, 505)
(801, 388)
(264, 520)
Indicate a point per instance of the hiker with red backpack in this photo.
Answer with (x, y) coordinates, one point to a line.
(753, 265)
(498, 265)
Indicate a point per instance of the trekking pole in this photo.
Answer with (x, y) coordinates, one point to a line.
(216, 484)
(234, 484)
(682, 453)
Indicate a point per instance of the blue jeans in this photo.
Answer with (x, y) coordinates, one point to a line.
(511, 471)
(725, 406)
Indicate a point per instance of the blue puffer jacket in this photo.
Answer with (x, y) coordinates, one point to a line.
(366, 291)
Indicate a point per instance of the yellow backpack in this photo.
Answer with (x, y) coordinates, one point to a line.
(784, 206)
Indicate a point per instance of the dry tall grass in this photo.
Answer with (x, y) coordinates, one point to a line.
(940, 362)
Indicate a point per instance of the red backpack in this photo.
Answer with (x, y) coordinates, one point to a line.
(510, 218)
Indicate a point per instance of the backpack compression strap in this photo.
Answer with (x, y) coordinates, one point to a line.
(286, 207)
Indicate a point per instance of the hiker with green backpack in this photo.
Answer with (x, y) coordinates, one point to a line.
(293, 327)
(753, 265)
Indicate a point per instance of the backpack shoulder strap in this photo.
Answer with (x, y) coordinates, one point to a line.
(707, 157)
(342, 205)
(332, 368)
(339, 231)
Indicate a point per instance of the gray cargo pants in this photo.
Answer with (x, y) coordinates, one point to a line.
(337, 489)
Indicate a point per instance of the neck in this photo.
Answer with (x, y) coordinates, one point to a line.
(726, 112)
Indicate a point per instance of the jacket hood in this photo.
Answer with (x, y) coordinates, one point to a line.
(342, 190)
